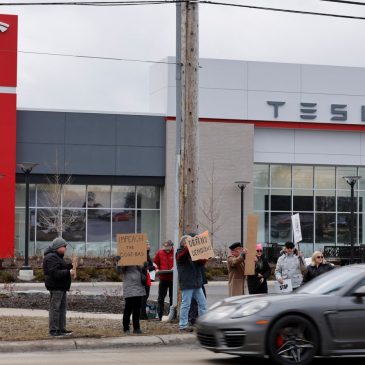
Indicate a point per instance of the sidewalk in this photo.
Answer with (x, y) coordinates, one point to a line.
(69, 343)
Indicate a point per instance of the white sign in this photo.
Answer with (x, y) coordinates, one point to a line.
(285, 287)
(297, 231)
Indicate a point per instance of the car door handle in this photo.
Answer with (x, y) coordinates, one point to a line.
(330, 312)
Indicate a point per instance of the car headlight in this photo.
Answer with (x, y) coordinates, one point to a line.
(249, 309)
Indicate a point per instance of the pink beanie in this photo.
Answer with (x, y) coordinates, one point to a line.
(259, 246)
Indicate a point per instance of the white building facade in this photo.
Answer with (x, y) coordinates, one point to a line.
(292, 130)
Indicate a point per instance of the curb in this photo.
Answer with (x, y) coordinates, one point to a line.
(93, 344)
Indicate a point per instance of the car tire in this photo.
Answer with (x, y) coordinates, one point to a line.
(292, 340)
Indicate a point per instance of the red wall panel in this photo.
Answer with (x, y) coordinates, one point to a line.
(8, 79)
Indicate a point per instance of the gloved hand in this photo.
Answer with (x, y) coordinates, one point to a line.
(69, 266)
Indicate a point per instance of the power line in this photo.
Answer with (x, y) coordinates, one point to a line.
(345, 2)
(96, 3)
(282, 10)
(96, 57)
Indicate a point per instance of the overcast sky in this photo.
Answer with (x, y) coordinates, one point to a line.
(148, 33)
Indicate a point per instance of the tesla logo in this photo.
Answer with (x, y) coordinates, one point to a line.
(4, 27)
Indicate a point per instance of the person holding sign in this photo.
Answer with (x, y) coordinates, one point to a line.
(236, 269)
(290, 267)
(190, 281)
(257, 284)
(134, 281)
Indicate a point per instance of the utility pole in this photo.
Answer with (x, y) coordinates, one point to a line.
(187, 136)
(190, 117)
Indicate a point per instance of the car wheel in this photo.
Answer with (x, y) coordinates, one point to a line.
(292, 340)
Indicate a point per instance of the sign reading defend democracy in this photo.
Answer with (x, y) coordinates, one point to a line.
(200, 247)
(132, 249)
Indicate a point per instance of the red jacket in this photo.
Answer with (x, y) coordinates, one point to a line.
(164, 261)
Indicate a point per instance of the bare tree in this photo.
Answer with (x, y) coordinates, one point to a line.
(53, 216)
(210, 206)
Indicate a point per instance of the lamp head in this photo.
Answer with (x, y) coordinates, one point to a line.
(241, 184)
(27, 167)
(351, 180)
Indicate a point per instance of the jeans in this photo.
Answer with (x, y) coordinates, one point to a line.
(186, 296)
(132, 306)
(57, 311)
(194, 312)
(163, 286)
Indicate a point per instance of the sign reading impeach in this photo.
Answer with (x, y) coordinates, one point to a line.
(132, 249)
(200, 247)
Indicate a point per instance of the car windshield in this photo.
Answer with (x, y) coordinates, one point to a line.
(332, 281)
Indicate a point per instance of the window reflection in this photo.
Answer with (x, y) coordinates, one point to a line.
(325, 201)
(74, 224)
(48, 224)
(324, 177)
(281, 176)
(303, 177)
(148, 197)
(325, 228)
(98, 196)
(280, 227)
(49, 195)
(74, 196)
(123, 197)
(98, 225)
(123, 221)
(261, 176)
(20, 195)
(147, 222)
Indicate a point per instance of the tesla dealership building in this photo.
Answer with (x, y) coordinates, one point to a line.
(291, 130)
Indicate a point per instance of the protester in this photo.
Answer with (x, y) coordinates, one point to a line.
(190, 281)
(257, 284)
(149, 267)
(134, 281)
(290, 265)
(236, 269)
(164, 260)
(318, 266)
(57, 279)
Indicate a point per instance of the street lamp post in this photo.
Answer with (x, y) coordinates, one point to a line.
(242, 185)
(351, 180)
(26, 272)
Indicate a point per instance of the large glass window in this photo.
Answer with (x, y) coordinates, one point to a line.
(88, 217)
(319, 194)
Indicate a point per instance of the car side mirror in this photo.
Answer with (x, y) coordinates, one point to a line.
(359, 292)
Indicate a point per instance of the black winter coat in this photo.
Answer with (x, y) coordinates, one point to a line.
(190, 272)
(255, 286)
(56, 271)
(314, 271)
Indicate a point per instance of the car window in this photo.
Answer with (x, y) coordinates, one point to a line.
(332, 281)
(358, 285)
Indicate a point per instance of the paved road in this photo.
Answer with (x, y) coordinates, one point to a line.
(177, 355)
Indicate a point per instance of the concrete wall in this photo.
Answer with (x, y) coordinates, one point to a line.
(226, 156)
(92, 143)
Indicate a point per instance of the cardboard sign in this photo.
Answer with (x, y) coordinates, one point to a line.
(252, 224)
(297, 231)
(200, 247)
(132, 248)
(285, 287)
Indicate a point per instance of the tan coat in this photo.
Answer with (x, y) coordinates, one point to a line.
(236, 275)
